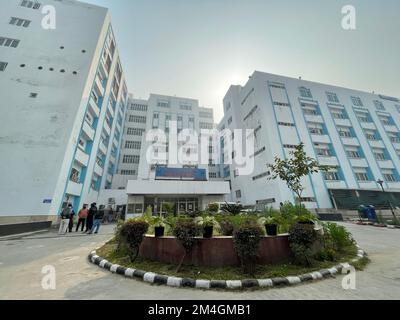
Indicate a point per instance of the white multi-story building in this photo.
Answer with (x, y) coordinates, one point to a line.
(357, 132)
(161, 112)
(63, 96)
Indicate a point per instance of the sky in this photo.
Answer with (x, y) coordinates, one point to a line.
(198, 48)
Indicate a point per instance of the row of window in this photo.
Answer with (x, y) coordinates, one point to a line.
(133, 144)
(20, 22)
(138, 107)
(128, 172)
(137, 119)
(30, 4)
(8, 42)
(135, 132)
(131, 159)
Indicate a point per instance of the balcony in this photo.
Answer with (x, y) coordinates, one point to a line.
(314, 118)
(93, 108)
(98, 170)
(391, 128)
(378, 144)
(323, 138)
(386, 164)
(88, 131)
(331, 184)
(102, 147)
(109, 178)
(368, 125)
(343, 122)
(107, 128)
(74, 189)
(82, 158)
(350, 141)
(99, 84)
(328, 161)
(110, 110)
(358, 163)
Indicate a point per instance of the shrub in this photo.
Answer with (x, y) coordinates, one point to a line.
(337, 237)
(247, 241)
(226, 227)
(131, 235)
(302, 238)
(213, 207)
(185, 231)
(233, 209)
(168, 207)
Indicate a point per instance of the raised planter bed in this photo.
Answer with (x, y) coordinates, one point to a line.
(213, 252)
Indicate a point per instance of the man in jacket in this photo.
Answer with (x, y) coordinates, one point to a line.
(65, 217)
(89, 220)
(82, 215)
(98, 219)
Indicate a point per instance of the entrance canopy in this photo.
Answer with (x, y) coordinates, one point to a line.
(160, 187)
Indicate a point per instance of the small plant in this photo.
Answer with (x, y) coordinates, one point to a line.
(207, 223)
(227, 227)
(131, 235)
(169, 208)
(186, 230)
(337, 237)
(213, 207)
(231, 208)
(379, 218)
(159, 221)
(302, 238)
(247, 241)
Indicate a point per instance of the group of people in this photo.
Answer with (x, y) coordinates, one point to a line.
(89, 218)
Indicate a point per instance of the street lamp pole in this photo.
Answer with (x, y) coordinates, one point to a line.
(380, 182)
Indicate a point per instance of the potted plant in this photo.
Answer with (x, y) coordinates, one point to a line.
(271, 225)
(207, 224)
(159, 226)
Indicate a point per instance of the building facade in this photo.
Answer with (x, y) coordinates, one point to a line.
(161, 112)
(64, 97)
(356, 132)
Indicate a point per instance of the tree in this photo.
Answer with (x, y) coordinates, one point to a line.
(292, 170)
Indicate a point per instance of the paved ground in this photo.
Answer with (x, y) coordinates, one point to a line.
(22, 260)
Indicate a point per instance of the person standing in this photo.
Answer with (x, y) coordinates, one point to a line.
(65, 217)
(90, 217)
(98, 219)
(82, 215)
(71, 220)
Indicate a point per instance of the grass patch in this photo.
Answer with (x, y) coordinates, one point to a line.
(109, 252)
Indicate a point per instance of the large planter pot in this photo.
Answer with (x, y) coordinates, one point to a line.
(271, 229)
(208, 232)
(159, 231)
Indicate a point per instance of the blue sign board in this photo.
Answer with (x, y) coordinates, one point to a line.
(193, 174)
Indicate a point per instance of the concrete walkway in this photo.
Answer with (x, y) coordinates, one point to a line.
(22, 260)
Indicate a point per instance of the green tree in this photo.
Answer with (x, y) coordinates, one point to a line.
(293, 169)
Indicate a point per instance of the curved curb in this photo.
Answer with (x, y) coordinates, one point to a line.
(153, 278)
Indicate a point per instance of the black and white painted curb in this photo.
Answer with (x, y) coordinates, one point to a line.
(154, 278)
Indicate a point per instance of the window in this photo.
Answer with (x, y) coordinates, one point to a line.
(258, 152)
(332, 97)
(213, 175)
(285, 124)
(138, 107)
(363, 117)
(309, 109)
(133, 144)
(345, 132)
(33, 95)
(238, 193)
(191, 123)
(371, 135)
(386, 120)
(30, 4)
(137, 119)
(356, 101)
(185, 106)
(394, 137)
(353, 154)
(156, 121)
(7, 42)
(281, 104)
(3, 65)
(250, 113)
(180, 122)
(379, 105)
(338, 113)
(20, 22)
(130, 159)
(289, 146)
(128, 172)
(135, 132)
(262, 175)
(361, 174)
(163, 103)
(305, 93)
(323, 150)
(331, 176)
(379, 154)
(206, 114)
(229, 120)
(316, 128)
(389, 175)
(205, 125)
(227, 106)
